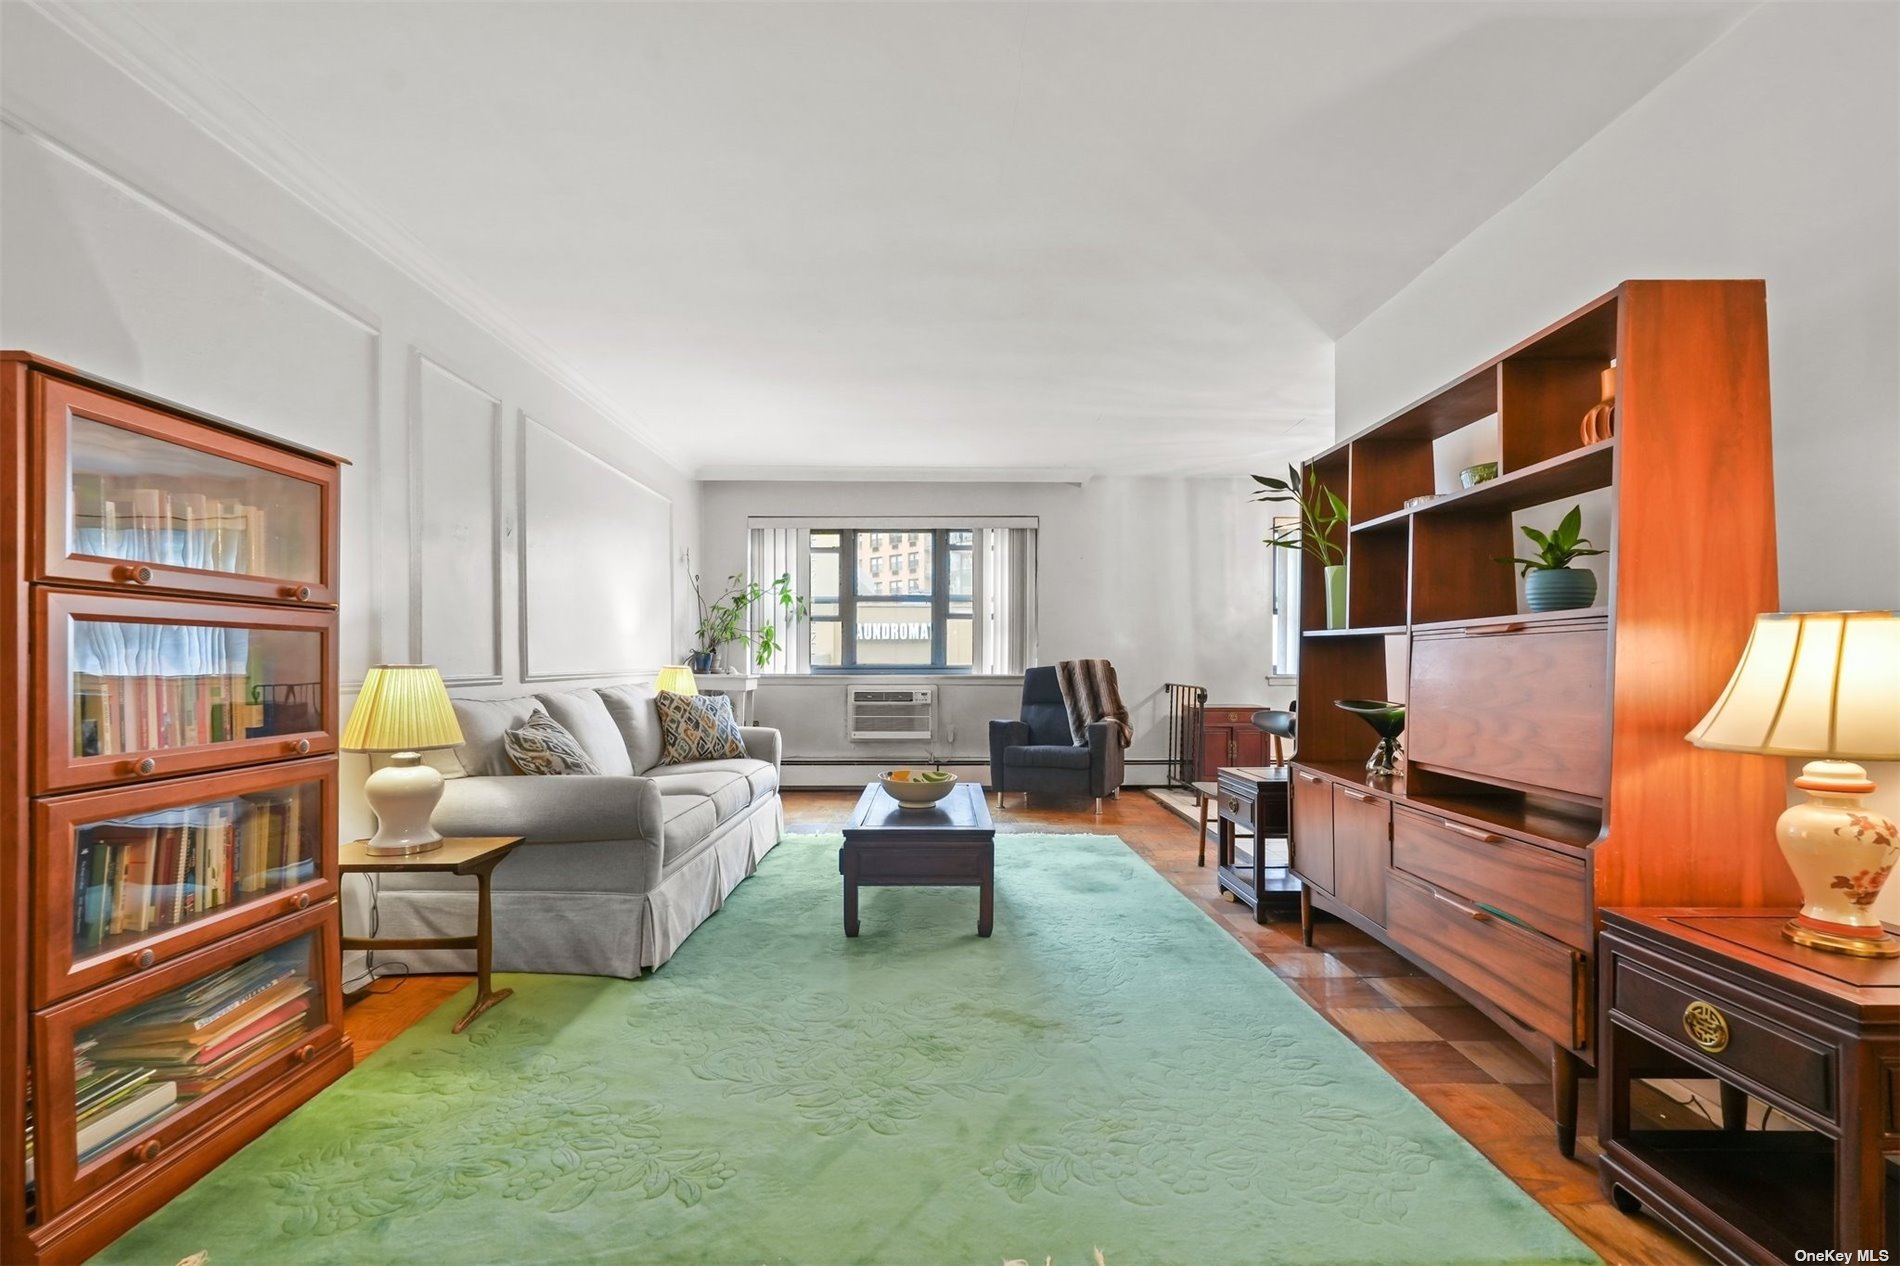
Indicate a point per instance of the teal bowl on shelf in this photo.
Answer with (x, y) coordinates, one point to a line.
(1559, 589)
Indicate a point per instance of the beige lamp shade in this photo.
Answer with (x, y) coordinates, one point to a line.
(403, 708)
(1814, 684)
(676, 679)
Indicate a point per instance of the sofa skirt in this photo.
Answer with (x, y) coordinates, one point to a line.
(582, 933)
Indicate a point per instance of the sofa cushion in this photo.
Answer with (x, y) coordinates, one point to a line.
(584, 714)
(483, 723)
(689, 819)
(697, 727)
(631, 707)
(542, 745)
(729, 792)
(761, 776)
(1047, 757)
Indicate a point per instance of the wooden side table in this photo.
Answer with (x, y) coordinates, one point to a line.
(1815, 1036)
(1253, 799)
(459, 855)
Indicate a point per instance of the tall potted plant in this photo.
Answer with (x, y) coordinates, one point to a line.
(1321, 511)
(1550, 583)
(726, 619)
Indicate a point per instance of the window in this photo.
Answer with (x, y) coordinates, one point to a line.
(1286, 609)
(966, 606)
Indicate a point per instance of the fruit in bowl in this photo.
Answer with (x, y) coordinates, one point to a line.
(917, 788)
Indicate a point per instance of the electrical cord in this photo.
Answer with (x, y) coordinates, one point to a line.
(373, 971)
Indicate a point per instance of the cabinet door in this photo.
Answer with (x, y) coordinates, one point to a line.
(141, 498)
(127, 1073)
(139, 688)
(128, 880)
(1217, 746)
(1362, 849)
(1312, 843)
(1251, 746)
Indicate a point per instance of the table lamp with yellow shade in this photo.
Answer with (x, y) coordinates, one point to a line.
(676, 679)
(1823, 685)
(402, 711)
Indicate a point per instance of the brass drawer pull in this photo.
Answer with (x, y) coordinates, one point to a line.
(298, 593)
(305, 1054)
(143, 959)
(301, 747)
(148, 1150)
(1492, 630)
(1471, 832)
(1363, 797)
(1306, 777)
(143, 767)
(134, 575)
(1470, 912)
(300, 902)
(1706, 1026)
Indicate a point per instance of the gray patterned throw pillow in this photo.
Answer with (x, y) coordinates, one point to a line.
(697, 727)
(543, 746)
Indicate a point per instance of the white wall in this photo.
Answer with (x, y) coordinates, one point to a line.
(1774, 154)
(134, 246)
(1166, 577)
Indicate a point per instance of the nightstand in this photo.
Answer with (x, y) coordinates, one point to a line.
(470, 855)
(1253, 799)
(1814, 1036)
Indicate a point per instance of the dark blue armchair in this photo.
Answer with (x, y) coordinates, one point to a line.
(1037, 752)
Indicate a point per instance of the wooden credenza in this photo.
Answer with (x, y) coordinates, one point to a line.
(169, 955)
(1546, 771)
(1228, 736)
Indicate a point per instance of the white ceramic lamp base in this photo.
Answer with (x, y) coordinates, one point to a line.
(404, 794)
(1841, 854)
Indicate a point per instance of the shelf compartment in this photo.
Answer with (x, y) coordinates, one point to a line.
(1377, 578)
(1377, 630)
(152, 1025)
(138, 688)
(1541, 407)
(128, 880)
(1385, 472)
(139, 497)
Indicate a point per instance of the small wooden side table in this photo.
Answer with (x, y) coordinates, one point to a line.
(476, 855)
(1253, 798)
(1815, 1036)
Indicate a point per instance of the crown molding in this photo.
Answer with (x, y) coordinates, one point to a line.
(897, 475)
(152, 60)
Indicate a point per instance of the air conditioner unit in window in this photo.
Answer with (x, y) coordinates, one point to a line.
(873, 713)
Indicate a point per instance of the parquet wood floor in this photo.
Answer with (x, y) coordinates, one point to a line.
(1482, 1083)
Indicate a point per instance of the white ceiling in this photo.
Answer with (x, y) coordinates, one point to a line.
(789, 237)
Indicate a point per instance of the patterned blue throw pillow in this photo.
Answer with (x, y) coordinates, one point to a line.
(542, 745)
(697, 727)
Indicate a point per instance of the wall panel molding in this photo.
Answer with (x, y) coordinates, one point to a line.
(433, 501)
(582, 576)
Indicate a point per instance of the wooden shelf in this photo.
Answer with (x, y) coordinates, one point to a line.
(1380, 630)
(1578, 471)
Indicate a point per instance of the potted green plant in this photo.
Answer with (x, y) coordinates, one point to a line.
(1550, 583)
(1321, 511)
(726, 620)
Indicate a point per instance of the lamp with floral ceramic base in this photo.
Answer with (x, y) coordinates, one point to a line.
(1823, 685)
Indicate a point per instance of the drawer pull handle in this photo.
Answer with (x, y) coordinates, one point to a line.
(143, 959)
(1492, 630)
(1306, 777)
(148, 1150)
(135, 575)
(1363, 797)
(299, 593)
(1470, 912)
(1470, 832)
(1233, 806)
(146, 766)
(301, 747)
(1706, 1026)
(300, 902)
(305, 1054)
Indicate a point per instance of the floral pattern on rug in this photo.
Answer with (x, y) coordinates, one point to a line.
(537, 1134)
(846, 1064)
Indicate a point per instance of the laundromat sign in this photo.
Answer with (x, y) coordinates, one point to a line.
(892, 631)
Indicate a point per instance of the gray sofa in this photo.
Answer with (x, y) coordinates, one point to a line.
(616, 869)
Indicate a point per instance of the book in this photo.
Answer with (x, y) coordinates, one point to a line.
(153, 1101)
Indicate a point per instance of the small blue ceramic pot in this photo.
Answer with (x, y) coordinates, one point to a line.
(1560, 589)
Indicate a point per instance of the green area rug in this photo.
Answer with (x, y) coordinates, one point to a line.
(1110, 1069)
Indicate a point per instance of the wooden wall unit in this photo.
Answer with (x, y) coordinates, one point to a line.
(168, 800)
(1548, 774)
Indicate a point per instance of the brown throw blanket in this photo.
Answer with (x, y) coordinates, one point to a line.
(1090, 694)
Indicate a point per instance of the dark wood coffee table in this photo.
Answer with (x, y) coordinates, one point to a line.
(950, 844)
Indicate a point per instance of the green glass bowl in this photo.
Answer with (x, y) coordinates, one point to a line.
(1386, 718)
